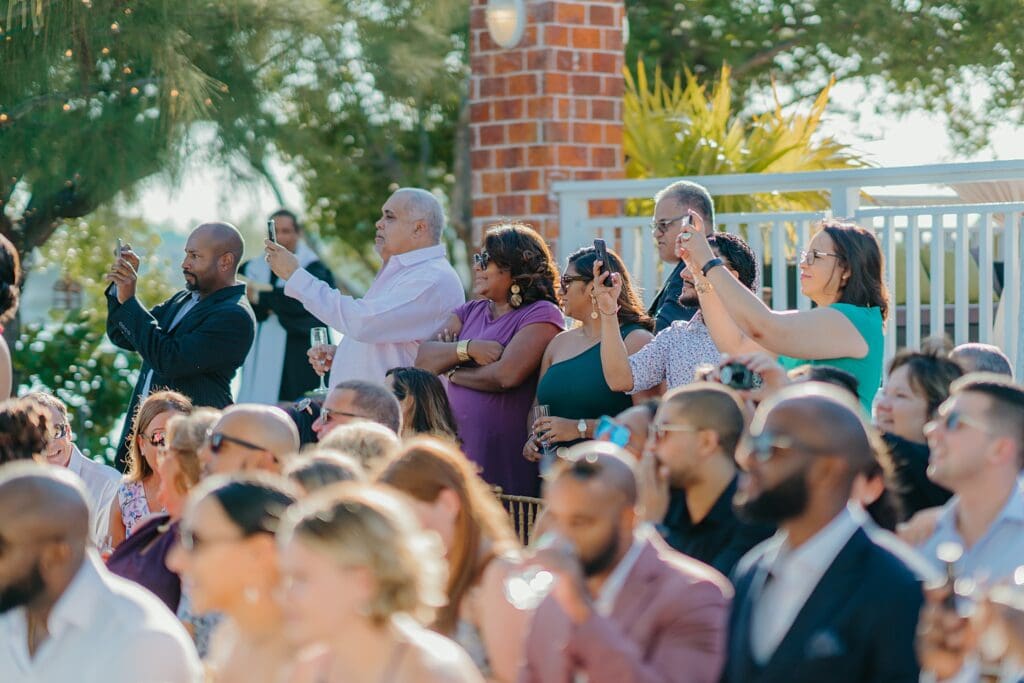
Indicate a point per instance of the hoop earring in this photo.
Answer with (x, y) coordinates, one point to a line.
(516, 300)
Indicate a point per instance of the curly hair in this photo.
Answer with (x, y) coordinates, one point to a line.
(10, 280)
(519, 249)
(24, 429)
(631, 308)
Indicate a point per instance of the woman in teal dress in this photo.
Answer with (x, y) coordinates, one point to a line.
(841, 272)
(572, 383)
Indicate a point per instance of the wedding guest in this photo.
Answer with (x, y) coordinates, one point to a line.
(322, 467)
(425, 406)
(372, 445)
(24, 430)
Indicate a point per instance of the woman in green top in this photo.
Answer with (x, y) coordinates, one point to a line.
(841, 272)
(571, 382)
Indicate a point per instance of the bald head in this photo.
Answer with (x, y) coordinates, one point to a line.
(249, 437)
(212, 254)
(423, 205)
(43, 502)
(223, 237)
(601, 463)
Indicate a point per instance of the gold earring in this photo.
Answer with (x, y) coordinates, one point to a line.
(593, 305)
(516, 300)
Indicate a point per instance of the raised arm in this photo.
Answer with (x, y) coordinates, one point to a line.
(520, 359)
(614, 354)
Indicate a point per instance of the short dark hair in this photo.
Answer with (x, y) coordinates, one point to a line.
(631, 307)
(1006, 403)
(930, 375)
(829, 374)
(709, 405)
(254, 502)
(378, 401)
(285, 213)
(519, 249)
(24, 429)
(739, 256)
(691, 195)
(10, 280)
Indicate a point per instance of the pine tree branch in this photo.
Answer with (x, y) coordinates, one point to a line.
(34, 102)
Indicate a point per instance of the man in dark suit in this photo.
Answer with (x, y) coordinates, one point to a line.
(196, 340)
(820, 600)
(670, 208)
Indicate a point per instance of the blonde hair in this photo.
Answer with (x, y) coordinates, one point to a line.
(372, 444)
(156, 403)
(361, 525)
(185, 435)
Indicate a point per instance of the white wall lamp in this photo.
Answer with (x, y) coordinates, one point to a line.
(506, 21)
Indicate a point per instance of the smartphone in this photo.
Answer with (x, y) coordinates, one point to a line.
(601, 252)
(117, 249)
(272, 230)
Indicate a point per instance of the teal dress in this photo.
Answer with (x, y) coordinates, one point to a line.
(867, 370)
(575, 388)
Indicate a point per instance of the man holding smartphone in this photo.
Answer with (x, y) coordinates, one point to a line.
(277, 368)
(671, 213)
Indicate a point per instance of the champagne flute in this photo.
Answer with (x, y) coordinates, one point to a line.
(547, 450)
(318, 336)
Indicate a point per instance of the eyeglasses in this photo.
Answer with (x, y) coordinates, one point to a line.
(567, 280)
(660, 227)
(189, 542)
(482, 260)
(155, 439)
(764, 445)
(61, 431)
(811, 255)
(326, 415)
(611, 431)
(217, 439)
(657, 432)
(952, 420)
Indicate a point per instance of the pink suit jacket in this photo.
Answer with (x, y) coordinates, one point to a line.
(668, 624)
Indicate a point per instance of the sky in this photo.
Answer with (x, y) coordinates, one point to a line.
(885, 140)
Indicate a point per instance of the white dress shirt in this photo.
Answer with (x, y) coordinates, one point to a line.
(411, 297)
(103, 629)
(793, 575)
(101, 482)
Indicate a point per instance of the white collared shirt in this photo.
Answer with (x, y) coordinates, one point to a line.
(103, 628)
(794, 574)
(101, 482)
(411, 297)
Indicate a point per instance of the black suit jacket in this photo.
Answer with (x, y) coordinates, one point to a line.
(198, 358)
(666, 309)
(857, 626)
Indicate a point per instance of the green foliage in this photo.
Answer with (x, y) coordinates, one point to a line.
(960, 58)
(71, 356)
(674, 130)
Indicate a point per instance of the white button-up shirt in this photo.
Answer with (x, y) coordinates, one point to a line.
(103, 628)
(101, 482)
(794, 574)
(411, 297)
(674, 355)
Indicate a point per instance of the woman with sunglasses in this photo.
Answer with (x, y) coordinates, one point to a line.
(141, 481)
(227, 558)
(572, 383)
(425, 406)
(491, 348)
(841, 272)
(142, 556)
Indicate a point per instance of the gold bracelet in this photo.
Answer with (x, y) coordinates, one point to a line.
(462, 350)
(615, 312)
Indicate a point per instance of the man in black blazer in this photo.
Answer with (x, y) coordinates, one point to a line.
(196, 340)
(670, 208)
(820, 600)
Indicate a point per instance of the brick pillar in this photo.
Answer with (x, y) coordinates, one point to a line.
(547, 109)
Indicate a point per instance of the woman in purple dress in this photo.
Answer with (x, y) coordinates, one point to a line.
(490, 349)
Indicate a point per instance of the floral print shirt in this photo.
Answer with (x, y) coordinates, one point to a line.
(674, 355)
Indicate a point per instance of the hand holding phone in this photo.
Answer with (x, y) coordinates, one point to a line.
(272, 230)
(601, 252)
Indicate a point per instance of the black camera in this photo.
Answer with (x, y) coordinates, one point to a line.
(738, 376)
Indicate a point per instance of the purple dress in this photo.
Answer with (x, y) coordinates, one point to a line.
(492, 425)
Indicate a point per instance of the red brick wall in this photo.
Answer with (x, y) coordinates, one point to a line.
(548, 109)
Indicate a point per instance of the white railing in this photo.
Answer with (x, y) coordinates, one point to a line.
(945, 262)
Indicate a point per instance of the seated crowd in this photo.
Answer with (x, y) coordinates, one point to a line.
(718, 492)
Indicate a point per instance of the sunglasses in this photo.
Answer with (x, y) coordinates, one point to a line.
(326, 415)
(217, 439)
(762, 447)
(155, 439)
(482, 260)
(662, 226)
(611, 431)
(567, 280)
(810, 256)
(952, 420)
(657, 432)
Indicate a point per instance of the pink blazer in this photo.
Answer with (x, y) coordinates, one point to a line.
(668, 624)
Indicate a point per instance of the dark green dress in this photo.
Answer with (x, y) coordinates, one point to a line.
(575, 388)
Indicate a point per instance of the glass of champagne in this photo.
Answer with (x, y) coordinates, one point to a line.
(318, 336)
(548, 452)
(526, 589)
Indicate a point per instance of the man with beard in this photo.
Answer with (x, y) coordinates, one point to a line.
(820, 600)
(625, 607)
(196, 340)
(63, 616)
(689, 475)
(675, 354)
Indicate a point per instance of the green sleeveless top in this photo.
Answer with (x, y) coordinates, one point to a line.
(575, 388)
(867, 370)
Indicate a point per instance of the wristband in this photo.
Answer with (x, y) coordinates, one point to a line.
(462, 350)
(711, 264)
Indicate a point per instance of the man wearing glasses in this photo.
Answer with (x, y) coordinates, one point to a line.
(820, 600)
(671, 206)
(101, 481)
(356, 400)
(248, 437)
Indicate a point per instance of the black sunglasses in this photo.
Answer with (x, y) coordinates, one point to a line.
(482, 260)
(217, 439)
(569, 279)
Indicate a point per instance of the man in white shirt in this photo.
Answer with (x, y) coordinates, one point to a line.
(412, 295)
(820, 600)
(101, 481)
(63, 616)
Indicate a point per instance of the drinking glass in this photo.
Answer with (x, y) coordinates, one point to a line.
(548, 452)
(525, 590)
(318, 336)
